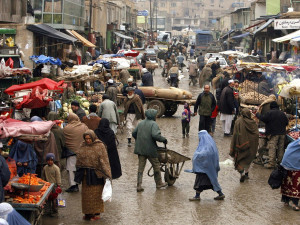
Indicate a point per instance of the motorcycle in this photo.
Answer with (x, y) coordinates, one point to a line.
(173, 80)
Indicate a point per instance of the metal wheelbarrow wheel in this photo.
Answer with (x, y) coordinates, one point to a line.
(169, 178)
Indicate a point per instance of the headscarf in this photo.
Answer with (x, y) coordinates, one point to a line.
(249, 123)
(91, 133)
(291, 157)
(52, 116)
(106, 134)
(35, 118)
(270, 99)
(23, 152)
(73, 132)
(8, 213)
(206, 159)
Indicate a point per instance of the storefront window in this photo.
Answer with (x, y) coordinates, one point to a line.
(57, 7)
(48, 6)
(47, 18)
(57, 18)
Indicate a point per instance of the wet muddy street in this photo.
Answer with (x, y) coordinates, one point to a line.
(251, 202)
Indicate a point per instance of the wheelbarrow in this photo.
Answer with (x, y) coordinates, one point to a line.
(171, 163)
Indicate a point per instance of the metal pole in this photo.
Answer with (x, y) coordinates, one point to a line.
(90, 22)
(151, 31)
(156, 6)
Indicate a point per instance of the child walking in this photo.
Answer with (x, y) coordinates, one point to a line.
(185, 120)
(51, 174)
(214, 120)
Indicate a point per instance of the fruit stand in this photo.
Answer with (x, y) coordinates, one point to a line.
(28, 200)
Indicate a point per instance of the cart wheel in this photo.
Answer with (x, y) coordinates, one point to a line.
(157, 105)
(168, 178)
(171, 108)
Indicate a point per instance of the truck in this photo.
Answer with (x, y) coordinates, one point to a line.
(203, 39)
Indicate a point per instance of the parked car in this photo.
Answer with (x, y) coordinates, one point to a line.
(214, 55)
(223, 62)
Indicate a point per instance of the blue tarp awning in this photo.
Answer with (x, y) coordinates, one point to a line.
(225, 36)
(203, 32)
(263, 26)
(45, 59)
(241, 36)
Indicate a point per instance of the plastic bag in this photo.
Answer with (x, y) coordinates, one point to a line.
(107, 191)
(61, 202)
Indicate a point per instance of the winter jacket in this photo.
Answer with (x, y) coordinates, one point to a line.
(206, 104)
(108, 110)
(147, 79)
(193, 70)
(275, 121)
(146, 134)
(80, 113)
(227, 101)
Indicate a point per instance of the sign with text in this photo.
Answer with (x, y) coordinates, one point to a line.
(286, 24)
(143, 13)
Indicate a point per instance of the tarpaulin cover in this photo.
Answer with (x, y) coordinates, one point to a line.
(38, 98)
(241, 36)
(48, 31)
(45, 59)
(44, 83)
(16, 128)
(112, 55)
(103, 62)
(131, 53)
(290, 68)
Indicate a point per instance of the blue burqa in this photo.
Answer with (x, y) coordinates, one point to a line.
(291, 157)
(206, 159)
(24, 153)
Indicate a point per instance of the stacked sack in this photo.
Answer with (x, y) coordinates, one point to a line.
(170, 93)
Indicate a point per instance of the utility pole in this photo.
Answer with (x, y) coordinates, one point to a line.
(151, 31)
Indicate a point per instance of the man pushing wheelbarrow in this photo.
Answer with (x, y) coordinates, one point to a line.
(146, 134)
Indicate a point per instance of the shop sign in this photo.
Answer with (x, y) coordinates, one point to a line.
(286, 24)
(143, 13)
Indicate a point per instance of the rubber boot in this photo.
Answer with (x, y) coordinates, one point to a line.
(139, 182)
(158, 181)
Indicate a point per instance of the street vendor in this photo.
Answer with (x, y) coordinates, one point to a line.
(111, 90)
(264, 88)
(77, 110)
(124, 76)
(4, 177)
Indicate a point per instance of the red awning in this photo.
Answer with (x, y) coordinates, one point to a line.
(255, 25)
(44, 83)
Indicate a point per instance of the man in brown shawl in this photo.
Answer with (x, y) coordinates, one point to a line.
(205, 76)
(73, 139)
(244, 143)
(92, 170)
(133, 112)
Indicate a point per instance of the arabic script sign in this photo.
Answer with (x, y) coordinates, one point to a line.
(287, 24)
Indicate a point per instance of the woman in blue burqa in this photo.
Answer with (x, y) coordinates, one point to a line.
(206, 167)
(25, 157)
(9, 214)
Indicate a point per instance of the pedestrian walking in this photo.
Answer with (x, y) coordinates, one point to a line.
(92, 120)
(204, 106)
(133, 112)
(11, 216)
(206, 167)
(185, 120)
(290, 188)
(193, 72)
(108, 137)
(200, 61)
(92, 170)
(73, 139)
(180, 60)
(112, 91)
(276, 122)
(146, 134)
(51, 174)
(205, 75)
(244, 143)
(227, 108)
(108, 110)
(214, 120)
(147, 78)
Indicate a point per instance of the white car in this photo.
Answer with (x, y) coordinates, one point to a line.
(214, 55)
(222, 61)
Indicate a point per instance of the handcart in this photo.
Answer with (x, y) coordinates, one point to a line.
(171, 163)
